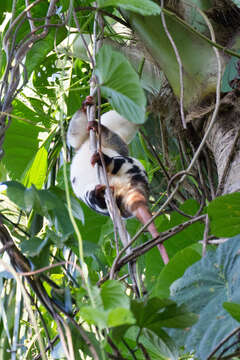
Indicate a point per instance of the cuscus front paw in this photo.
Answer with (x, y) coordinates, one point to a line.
(92, 125)
(87, 102)
(100, 189)
(95, 159)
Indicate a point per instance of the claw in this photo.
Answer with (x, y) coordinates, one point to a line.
(99, 189)
(92, 125)
(95, 158)
(87, 102)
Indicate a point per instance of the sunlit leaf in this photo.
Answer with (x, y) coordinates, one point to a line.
(21, 142)
(120, 316)
(36, 174)
(94, 316)
(120, 84)
(143, 7)
(113, 295)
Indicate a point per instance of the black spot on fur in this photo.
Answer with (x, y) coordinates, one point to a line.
(73, 180)
(134, 170)
(118, 162)
(129, 160)
(107, 159)
(96, 203)
(138, 178)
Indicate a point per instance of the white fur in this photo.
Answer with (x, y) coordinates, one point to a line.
(77, 130)
(117, 123)
(84, 176)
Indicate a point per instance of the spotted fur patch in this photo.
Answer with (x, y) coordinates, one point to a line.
(97, 203)
(118, 162)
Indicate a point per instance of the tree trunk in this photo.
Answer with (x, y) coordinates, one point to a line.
(225, 145)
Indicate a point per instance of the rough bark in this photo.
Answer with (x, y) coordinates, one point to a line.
(225, 145)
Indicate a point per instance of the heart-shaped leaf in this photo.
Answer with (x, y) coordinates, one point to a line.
(120, 84)
(204, 288)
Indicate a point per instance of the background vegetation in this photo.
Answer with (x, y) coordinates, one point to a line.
(173, 68)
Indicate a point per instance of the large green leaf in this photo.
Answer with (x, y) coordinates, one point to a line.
(224, 213)
(143, 7)
(33, 246)
(158, 346)
(15, 192)
(36, 174)
(113, 295)
(94, 316)
(151, 316)
(204, 288)
(198, 80)
(21, 142)
(104, 319)
(157, 313)
(75, 204)
(176, 243)
(111, 306)
(120, 316)
(120, 84)
(47, 203)
(93, 222)
(174, 270)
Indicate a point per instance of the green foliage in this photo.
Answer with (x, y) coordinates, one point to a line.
(36, 174)
(79, 86)
(158, 348)
(204, 288)
(157, 313)
(151, 315)
(48, 203)
(189, 302)
(143, 7)
(18, 152)
(113, 70)
(45, 75)
(111, 307)
(177, 242)
(174, 270)
(195, 76)
(42, 48)
(224, 214)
